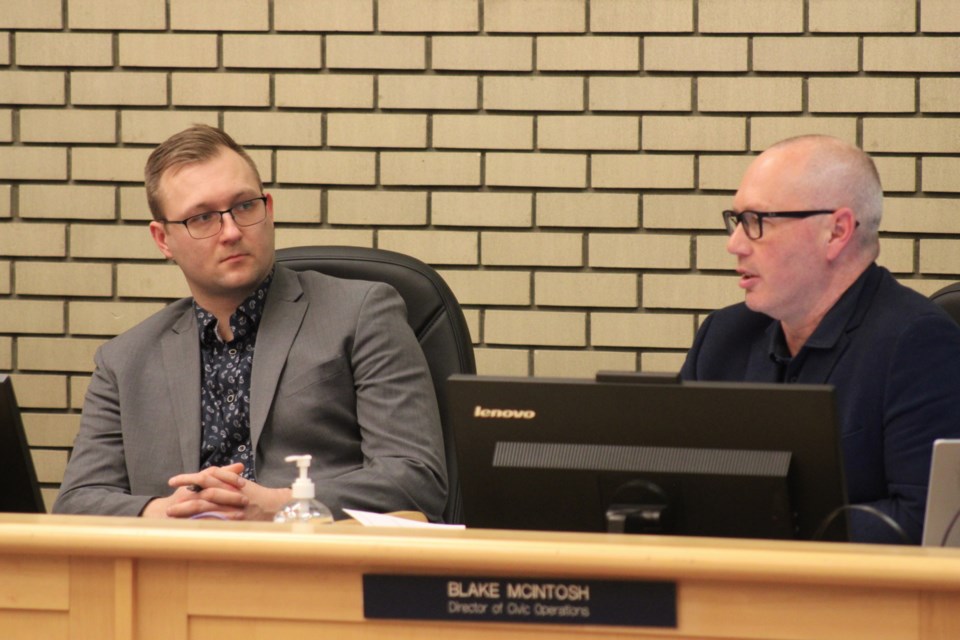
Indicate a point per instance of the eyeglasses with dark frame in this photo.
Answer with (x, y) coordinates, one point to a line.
(209, 223)
(752, 221)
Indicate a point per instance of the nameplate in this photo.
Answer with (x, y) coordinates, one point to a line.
(520, 600)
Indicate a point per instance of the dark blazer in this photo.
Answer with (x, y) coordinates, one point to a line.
(337, 373)
(893, 357)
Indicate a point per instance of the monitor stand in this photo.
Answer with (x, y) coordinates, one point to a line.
(640, 506)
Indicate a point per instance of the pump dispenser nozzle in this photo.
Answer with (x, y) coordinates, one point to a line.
(303, 507)
(302, 487)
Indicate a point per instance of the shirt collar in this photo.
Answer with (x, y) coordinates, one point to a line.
(243, 321)
(831, 327)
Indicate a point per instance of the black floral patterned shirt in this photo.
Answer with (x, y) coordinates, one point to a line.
(225, 383)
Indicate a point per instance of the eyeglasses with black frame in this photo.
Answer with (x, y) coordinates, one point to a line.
(209, 223)
(752, 221)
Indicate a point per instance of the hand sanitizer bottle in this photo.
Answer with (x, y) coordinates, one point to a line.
(303, 506)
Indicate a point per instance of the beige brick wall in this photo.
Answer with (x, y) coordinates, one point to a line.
(427, 92)
(57, 354)
(220, 15)
(586, 290)
(328, 91)
(369, 130)
(52, 49)
(751, 16)
(377, 207)
(487, 287)
(587, 209)
(863, 16)
(126, 88)
(533, 93)
(833, 54)
(5, 192)
(476, 53)
(42, 14)
(272, 51)
(695, 53)
(32, 87)
(63, 279)
(107, 318)
(481, 209)
(561, 162)
(482, 131)
(51, 429)
(429, 15)
(323, 15)
(376, 52)
(117, 14)
(33, 163)
(556, 363)
(535, 15)
(426, 168)
(588, 132)
(939, 16)
(68, 125)
(327, 167)
(182, 50)
(640, 16)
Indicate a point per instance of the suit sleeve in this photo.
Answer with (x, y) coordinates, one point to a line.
(689, 369)
(96, 480)
(401, 440)
(921, 403)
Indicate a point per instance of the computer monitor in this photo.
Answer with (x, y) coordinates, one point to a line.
(697, 458)
(21, 493)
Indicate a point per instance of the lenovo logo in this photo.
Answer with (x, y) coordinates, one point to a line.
(510, 414)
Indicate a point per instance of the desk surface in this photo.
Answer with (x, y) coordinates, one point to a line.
(911, 592)
(600, 555)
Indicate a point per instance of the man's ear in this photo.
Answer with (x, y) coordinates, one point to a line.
(269, 206)
(843, 224)
(159, 234)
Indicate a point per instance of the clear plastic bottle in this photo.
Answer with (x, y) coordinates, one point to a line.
(303, 506)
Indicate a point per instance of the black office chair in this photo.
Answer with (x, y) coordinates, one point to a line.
(432, 311)
(949, 299)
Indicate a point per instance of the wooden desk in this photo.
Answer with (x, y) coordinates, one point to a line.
(113, 578)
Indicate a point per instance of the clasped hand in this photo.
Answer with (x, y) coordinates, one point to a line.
(220, 490)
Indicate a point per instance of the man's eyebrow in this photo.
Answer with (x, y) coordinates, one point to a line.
(238, 197)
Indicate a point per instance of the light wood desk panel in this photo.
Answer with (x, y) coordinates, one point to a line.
(126, 579)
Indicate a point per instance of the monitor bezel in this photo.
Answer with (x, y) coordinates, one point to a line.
(18, 476)
(738, 412)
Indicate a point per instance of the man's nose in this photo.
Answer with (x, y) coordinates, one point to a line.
(738, 243)
(229, 227)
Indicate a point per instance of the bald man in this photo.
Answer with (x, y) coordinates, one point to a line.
(817, 309)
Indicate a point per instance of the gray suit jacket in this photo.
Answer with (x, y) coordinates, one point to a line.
(337, 373)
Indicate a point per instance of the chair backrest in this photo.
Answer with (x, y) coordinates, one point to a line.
(949, 299)
(432, 311)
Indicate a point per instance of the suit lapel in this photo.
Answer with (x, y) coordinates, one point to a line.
(830, 346)
(820, 363)
(279, 326)
(817, 365)
(832, 337)
(181, 364)
(759, 365)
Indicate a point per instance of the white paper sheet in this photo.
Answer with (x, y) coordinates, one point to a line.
(369, 519)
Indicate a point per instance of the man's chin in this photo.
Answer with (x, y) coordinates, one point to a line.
(239, 280)
(753, 302)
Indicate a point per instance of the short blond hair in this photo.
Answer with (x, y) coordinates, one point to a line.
(198, 143)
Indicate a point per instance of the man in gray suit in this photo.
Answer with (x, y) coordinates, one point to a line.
(194, 410)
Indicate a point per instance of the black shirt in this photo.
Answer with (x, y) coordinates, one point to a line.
(826, 336)
(225, 383)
